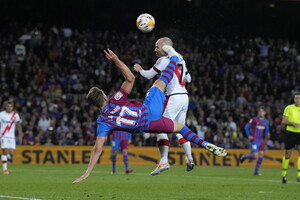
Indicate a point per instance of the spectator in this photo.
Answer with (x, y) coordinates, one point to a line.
(44, 122)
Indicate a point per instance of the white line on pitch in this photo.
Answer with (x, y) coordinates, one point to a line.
(11, 197)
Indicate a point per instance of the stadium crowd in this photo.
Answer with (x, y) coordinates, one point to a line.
(48, 71)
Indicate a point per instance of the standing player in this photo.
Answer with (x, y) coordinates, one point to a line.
(291, 118)
(9, 119)
(117, 113)
(259, 127)
(120, 141)
(176, 105)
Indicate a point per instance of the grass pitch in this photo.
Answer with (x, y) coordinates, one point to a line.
(203, 183)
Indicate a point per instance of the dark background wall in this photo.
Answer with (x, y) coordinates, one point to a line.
(277, 18)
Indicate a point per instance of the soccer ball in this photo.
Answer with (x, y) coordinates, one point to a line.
(145, 23)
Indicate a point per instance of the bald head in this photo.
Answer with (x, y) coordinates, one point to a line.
(165, 41)
(160, 43)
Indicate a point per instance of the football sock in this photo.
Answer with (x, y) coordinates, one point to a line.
(258, 164)
(298, 164)
(163, 146)
(125, 160)
(285, 164)
(4, 162)
(167, 74)
(114, 160)
(187, 149)
(249, 156)
(190, 136)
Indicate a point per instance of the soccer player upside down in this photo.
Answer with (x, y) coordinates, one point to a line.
(117, 113)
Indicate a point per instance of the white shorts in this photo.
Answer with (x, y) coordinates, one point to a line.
(8, 143)
(177, 107)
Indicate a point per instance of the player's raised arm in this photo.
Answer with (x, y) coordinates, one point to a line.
(127, 74)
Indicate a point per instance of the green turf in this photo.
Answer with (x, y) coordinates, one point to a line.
(206, 183)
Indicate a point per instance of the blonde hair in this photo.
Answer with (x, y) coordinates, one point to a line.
(95, 96)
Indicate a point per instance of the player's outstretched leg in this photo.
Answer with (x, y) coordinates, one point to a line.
(190, 136)
(218, 151)
(167, 75)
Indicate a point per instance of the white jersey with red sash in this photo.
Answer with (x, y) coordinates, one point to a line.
(8, 124)
(180, 77)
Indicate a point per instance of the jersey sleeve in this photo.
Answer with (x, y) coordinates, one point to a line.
(18, 119)
(250, 125)
(158, 67)
(267, 129)
(286, 111)
(149, 74)
(119, 97)
(247, 129)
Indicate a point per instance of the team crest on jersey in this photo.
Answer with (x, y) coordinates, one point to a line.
(118, 96)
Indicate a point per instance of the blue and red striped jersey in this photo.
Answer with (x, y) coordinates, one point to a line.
(121, 114)
(259, 127)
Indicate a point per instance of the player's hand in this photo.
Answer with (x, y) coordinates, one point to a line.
(137, 67)
(83, 177)
(296, 125)
(110, 55)
(251, 137)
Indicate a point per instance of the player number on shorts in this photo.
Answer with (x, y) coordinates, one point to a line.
(120, 120)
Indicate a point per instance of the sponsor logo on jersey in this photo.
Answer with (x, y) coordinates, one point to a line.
(118, 96)
(260, 127)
